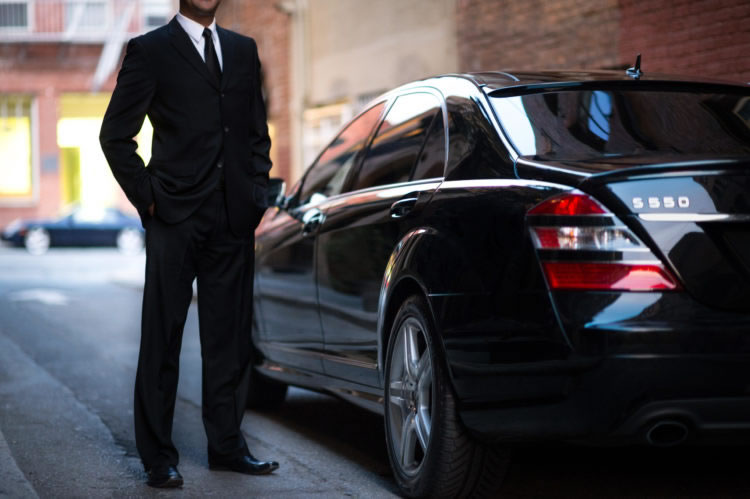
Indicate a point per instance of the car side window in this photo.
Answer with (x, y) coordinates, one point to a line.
(475, 151)
(93, 216)
(431, 163)
(398, 141)
(327, 177)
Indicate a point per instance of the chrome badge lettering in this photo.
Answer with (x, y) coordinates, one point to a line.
(655, 202)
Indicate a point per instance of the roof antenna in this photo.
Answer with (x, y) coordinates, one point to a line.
(635, 71)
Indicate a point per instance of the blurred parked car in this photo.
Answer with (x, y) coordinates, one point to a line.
(497, 258)
(80, 227)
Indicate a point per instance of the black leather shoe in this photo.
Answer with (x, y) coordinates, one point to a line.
(164, 477)
(244, 464)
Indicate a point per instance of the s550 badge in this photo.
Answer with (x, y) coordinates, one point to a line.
(655, 202)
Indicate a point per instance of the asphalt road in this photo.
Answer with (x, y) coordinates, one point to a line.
(69, 332)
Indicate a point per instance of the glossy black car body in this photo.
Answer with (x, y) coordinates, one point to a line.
(667, 164)
(79, 228)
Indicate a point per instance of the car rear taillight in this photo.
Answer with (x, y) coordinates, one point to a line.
(623, 276)
(585, 238)
(573, 203)
(582, 245)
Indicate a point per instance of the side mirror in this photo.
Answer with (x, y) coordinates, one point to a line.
(276, 192)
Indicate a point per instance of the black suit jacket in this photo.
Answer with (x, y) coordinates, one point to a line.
(202, 127)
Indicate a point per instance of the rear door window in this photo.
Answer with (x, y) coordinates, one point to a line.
(612, 121)
(398, 142)
(431, 161)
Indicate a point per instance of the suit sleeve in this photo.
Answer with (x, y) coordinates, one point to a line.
(260, 142)
(127, 109)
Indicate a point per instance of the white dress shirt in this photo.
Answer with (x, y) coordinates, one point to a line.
(195, 33)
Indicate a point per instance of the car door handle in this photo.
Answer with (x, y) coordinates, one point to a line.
(403, 207)
(311, 220)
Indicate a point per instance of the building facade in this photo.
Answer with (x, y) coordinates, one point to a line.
(269, 26)
(341, 53)
(322, 61)
(708, 38)
(58, 60)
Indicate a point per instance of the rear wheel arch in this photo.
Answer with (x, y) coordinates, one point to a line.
(406, 287)
(405, 276)
(431, 453)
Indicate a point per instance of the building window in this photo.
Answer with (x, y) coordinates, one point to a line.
(16, 178)
(85, 15)
(14, 15)
(156, 13)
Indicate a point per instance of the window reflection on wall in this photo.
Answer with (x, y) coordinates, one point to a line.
(607, 122)
(598, 111)
(516, 123)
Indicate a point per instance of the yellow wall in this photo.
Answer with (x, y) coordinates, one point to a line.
(78, 128)
(15, 156)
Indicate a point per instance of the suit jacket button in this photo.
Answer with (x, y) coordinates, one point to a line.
(226, 129)
(219, 164)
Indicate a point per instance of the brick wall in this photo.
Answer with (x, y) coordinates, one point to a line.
(696, 37)
(45, 71)
(693, 37)
(540, 34)
(270, 28)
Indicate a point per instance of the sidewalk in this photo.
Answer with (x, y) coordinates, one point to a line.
(47, 430)
(13, 483)
(132, 274)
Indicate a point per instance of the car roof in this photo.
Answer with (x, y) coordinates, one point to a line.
(498, 80)
(496, 83)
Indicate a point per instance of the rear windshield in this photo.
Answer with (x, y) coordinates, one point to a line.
(595, 123)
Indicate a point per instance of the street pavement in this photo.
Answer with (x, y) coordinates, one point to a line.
(69, 332)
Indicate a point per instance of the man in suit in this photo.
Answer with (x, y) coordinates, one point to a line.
(200, 199)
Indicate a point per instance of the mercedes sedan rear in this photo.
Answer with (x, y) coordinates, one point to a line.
(495, 258)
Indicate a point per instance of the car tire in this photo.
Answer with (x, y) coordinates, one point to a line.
(130, 241)
(430, 451)
(37, 241)
(264, 393)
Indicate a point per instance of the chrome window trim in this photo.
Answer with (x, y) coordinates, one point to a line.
(502, 182)
(692, 217)
(320, 355)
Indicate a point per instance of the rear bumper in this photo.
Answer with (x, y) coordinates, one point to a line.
(615, 400)
(612, 365)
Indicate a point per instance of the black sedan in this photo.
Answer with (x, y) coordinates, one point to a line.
(80, 227)
(495, 258)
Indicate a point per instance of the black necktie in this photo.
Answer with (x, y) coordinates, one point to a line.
(209, 53)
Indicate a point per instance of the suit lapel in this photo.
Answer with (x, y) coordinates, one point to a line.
(184, 46)
(228, 53)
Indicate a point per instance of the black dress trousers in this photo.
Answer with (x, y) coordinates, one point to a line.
(202, 247)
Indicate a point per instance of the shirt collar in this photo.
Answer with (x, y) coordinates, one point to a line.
(194, 29)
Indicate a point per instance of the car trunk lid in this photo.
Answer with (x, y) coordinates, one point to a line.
(696, 215)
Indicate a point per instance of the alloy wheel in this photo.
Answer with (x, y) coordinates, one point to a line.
(129, 241)
(410, 395)
(37, 241)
